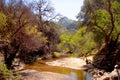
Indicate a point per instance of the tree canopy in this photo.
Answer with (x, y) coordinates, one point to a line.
(102, 18)
(26, 28)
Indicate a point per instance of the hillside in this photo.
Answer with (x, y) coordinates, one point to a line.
(68, 24)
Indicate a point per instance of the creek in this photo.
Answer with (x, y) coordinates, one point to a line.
(77, 74)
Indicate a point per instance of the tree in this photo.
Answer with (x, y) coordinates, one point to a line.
(25, 31)
(104, 21)
(31, 42)
(18, 17)
(15, 17)
(81, 42)
(3, 23)
(45, 14)
(110, 31)
(88, 8)
(43, 11)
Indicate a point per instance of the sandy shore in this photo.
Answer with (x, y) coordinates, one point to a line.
(74, 63)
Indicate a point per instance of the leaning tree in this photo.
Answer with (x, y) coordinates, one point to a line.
(103, 20)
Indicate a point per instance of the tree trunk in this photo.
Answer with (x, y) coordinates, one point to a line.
(10, 53)
(107, 61)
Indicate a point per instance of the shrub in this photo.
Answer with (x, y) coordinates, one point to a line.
(57, 54)
(80, 43)
(7, 74)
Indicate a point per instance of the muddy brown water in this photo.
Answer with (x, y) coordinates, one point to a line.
(41, 66)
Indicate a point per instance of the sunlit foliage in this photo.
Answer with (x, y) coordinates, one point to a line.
(23, 26)
(82, 42)
(7, 74)
(3, 23)
(33, 40)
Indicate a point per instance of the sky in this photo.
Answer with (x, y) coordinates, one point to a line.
(68, 8)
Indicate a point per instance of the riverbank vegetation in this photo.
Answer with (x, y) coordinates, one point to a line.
(32, 31)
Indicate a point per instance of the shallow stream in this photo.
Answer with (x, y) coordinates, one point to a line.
(77, 74)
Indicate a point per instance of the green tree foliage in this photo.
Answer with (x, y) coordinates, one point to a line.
(101, 25)
(84, 40)
(89, 7)
(3, 23)
(3, 20)
(102, 18)
(81, 42)
(104, 22)
(66, 41)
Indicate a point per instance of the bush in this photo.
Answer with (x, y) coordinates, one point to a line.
(80, 43)
(7, 74)
(29, 58)
(57, 54)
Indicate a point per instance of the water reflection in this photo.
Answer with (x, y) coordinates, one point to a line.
(82, 75)
(88, 76)
(74, 76)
